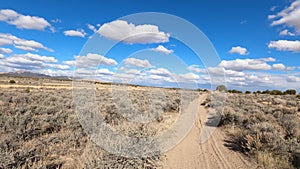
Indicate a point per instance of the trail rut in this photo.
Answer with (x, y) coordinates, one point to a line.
(212, 154)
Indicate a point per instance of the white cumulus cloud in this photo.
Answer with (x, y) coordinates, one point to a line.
(290, 68)
(221, 71)
(104, 72)
(239, 50)
(120, 30)
(23, 44)
(143, 63)
(162, 49)
(92, 27)
(285, 45)
(78, 33)
(4, 41)
(26, 48)
(196, 69)
(288, 16)
(58, 66)
(247, 64)
(5, 50)
(37, 57)
(160, 72)
(278, 66)
(286, 32)
(189, 77)
(30, 62)
(91, 60)
(24, 21)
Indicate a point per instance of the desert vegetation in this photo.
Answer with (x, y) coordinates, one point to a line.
(265, 127)
(12, 81)
(223, 88)
(40, 129)
(277, 92)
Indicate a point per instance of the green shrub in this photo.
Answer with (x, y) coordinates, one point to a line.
(257, 92)
(290, 92)
(234, 91)
(248, 92)
(27, 90)
(276, 92)
(12, 81)
(221, 88)
(266, 92)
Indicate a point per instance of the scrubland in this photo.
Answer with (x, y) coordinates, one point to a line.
(39, 127)
(264, 127)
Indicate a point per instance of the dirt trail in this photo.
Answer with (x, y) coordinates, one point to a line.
(190, 154)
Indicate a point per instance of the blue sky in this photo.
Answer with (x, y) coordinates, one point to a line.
(257, 41)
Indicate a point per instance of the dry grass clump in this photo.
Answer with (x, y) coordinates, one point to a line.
(265, 127)
(94, 157)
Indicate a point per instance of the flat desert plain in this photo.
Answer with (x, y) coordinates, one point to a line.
(40, 129)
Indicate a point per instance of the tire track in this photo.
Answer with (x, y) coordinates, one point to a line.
(218, 152)
(212, 154)
(209, 145)
(202, 153)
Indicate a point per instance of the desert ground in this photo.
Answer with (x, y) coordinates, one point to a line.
(40, 129)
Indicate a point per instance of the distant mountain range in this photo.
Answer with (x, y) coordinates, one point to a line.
(32, 74)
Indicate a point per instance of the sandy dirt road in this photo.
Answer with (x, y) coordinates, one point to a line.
(213, 154)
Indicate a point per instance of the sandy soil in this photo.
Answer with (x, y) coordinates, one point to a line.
(190, 154)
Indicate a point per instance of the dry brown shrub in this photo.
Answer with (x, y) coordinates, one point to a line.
(268, 128)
